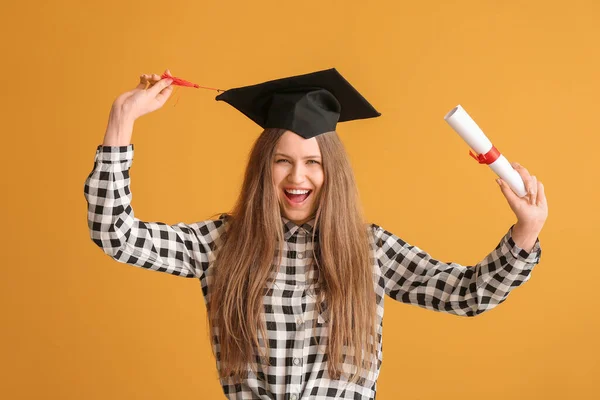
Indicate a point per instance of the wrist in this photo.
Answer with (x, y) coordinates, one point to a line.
(118, 116)
(119, 129)
(525, 236)
(530, 228)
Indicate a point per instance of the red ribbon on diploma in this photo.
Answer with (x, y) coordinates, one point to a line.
(488, 157)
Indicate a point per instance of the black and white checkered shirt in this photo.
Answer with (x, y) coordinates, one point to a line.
(296, 331)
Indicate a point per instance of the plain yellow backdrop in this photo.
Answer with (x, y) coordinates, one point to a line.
(78, 325)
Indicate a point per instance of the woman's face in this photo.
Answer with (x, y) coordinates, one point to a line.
(298, 176)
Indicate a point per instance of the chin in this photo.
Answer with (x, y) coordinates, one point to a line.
(296, 215)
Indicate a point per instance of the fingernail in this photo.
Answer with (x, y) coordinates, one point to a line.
(498, 182)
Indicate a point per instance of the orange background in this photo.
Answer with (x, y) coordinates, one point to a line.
(79, 325)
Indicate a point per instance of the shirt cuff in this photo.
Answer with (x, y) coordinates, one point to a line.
(519, 253)
(114, 154)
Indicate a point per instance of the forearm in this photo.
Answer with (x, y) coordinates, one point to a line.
(119, 129)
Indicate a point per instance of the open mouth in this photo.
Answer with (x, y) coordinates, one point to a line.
(297, 196)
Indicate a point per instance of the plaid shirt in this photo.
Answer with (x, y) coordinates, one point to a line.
(297, 333)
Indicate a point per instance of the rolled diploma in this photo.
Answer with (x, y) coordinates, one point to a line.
(464, 125)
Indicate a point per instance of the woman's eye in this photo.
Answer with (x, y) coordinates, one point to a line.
(312, 162)
(282, 160)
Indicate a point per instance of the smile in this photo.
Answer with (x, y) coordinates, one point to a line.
(297, 197)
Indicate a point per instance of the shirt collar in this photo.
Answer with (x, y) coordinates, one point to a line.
(290, 227)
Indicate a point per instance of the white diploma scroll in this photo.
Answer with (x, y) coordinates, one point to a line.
(464, 125)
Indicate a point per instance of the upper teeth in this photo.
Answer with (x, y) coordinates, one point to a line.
(296, 191)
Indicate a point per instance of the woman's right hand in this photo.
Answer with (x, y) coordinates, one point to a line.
(149, 95)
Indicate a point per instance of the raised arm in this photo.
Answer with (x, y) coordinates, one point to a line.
(181, 249)
(412, 276)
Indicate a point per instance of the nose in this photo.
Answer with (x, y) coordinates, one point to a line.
(297, 174)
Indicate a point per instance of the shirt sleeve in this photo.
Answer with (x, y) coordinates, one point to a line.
(181, 249)
(412, 276)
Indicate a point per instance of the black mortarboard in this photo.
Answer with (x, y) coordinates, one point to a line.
(307, 105)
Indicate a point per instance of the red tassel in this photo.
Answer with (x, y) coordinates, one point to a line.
(182, 82)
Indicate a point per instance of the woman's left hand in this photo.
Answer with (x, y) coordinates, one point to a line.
(532, 209)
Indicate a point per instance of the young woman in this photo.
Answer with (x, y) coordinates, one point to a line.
(293, 278)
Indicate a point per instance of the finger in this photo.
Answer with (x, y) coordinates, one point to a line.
(525, 176)
(157, 88)
(507, 191)
(541, 198)
(168, 72)
(143, 81)
(520, 169)
(153, 79)
(533, 191)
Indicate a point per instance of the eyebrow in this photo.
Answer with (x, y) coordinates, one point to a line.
(305, 158)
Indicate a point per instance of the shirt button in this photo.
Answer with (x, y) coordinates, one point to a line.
(293, 397)
(299, 321)
(300, 255)
(296, 361)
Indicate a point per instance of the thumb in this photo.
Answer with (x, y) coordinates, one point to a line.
(159, 86)
(164, 95)
(507, 191)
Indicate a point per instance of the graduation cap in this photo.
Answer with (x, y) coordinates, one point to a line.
(307, 105)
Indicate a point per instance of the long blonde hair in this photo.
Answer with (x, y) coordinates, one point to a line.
(244, 264)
